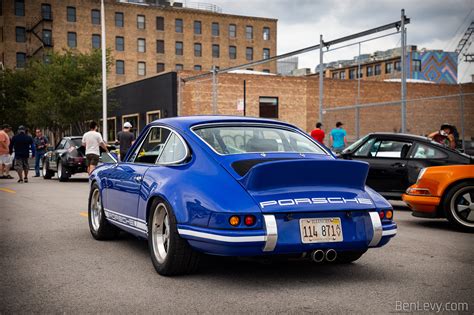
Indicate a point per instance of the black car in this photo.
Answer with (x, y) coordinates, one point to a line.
(396, 159)
(66, 159)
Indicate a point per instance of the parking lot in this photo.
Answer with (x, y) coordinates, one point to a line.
(50, 263)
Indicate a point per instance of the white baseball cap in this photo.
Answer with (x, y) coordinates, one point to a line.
(127, 125)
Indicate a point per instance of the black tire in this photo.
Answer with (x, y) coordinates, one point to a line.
(348, 257)
(47, 173)
(63, 174)
(100, 229)
(461, 218)
(179, 258)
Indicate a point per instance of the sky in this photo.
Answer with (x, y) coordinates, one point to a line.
(435, 24)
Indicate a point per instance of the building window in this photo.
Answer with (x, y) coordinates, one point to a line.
(370, 71)
(335, 75)
(268, 107)
(160, 67)
(197, 50)
(119, 43)
(46, 12)
(95, 41)
(119, 19)
(249, 32)
(249, 53)
(388, 67)
(178, 48)
(266, 70)
(215, 29)
(160, 46)
(178, 25)
(120, 67)
(197, 27)
(48, 38)
(19, 8)
(266, 33)
(197, 67)
(72, 40)
(20, 33)
(20, 60)
(141, 68)
(215, 51)
(71, 14)
(378, 69)
(179, 67)
(133, 119)
(232, 31)
(266, 53)
(160, 23)
(152, 116)
(141, 45)
(95, 16)
(416, 65)
(398, 66)
(232, 52)
(342, 75)
(352, 74)
(141, 22)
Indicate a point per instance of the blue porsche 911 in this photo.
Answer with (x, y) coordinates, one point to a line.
(237, 186)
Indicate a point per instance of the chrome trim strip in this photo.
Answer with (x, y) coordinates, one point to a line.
(222, 238)
(272, 232)
(129, 227)
(377, 228)
(389, 232)
(124, 215)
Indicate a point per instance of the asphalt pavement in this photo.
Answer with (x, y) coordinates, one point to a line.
(50, 263)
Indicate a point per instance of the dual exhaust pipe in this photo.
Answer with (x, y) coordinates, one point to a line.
(320, 255)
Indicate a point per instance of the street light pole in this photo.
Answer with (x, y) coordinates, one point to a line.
(104, 71)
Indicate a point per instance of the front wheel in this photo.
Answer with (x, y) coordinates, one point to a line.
(100, 228)
(47, 174)
(459, 206)
(63, 175)
(171, 255)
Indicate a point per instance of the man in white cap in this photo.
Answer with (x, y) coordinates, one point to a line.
(125, 138)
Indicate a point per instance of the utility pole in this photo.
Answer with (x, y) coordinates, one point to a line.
(321, 73)
(214, 90)
(404, 73)
(104, 71)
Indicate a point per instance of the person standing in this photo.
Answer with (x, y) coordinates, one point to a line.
(5, 158)
(125, 138)
(41, 142)
(93, 141)
(338, 137)
(21, 144)
(444, 136)
(318, 134)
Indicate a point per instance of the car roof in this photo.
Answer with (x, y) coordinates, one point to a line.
(72, 137)
(400, 136)
(186, 122)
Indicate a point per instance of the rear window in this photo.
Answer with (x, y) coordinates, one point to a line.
(256, 139)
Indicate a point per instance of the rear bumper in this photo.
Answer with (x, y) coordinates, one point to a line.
(281, 235)
(424, 206)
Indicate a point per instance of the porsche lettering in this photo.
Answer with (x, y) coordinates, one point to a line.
(314, 201)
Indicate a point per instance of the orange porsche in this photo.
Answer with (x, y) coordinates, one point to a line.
(444, 192)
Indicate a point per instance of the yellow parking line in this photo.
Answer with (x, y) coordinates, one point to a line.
(8, 190)
(84, 214)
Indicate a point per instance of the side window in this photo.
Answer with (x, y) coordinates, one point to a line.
(366, 148)
(423, 151)
(174, 151)
(67, 145)
(151, 147)
(391, 149)
(61, 144)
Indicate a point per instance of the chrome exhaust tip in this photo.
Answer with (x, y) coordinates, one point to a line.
(317, 256)
(331, 255)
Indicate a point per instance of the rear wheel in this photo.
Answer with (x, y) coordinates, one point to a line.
(170, 254)
(47, 174)
(63, 175)
(100, 228)
(459, 206)
(348, 257)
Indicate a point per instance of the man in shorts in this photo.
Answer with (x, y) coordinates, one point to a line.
(21, 144)
(92, 140)
(5, 158)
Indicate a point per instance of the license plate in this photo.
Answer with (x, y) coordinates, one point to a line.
(321, 230)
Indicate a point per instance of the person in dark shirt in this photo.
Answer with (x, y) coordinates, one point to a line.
(125, 138)
(21, 145)
(41, 143)
(318, 134)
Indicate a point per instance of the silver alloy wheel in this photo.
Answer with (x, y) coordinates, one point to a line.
(45, 168)
(462, 206)
(96, 209)
(160, 229)
(60, 169)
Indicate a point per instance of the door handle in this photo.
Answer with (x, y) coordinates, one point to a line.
(398, 165)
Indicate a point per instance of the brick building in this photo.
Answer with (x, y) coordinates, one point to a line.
(144, 38)
(428, 65)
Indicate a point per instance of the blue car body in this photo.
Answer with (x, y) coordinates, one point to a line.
(278, 188)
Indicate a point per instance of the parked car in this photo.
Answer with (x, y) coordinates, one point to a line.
(444, 192)
(237, 186)
(397, 159)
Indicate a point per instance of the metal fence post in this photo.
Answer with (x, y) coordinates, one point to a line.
(321, 73)
(404, 73)
(214, 91)
(357, 110)
(461, 99)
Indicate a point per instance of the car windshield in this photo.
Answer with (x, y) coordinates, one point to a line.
(256, 139)
(77, 142)
(354, 145)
